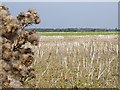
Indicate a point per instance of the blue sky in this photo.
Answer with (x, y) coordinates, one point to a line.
(74, 14)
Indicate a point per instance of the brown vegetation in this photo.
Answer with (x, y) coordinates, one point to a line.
(89, 61)
(16, 59)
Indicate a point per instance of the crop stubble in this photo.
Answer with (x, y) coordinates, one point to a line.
(77, 61)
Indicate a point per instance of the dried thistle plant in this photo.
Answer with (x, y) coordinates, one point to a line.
(16, 59)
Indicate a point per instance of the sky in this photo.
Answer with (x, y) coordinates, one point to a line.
(59, 0)
(119, 15)
(70, 14)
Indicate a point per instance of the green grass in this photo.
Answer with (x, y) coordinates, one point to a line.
(76, 33)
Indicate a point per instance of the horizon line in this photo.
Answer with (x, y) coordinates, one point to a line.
(68, 28)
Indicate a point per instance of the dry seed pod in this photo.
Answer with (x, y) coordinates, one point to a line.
(9, 31)
(24, 34)
(33, 39)
(28, 63)
(21, 16)
(17, 65)
(32, 11)
(5, 82)
(29, 17)
(3, 78)
(3, 7)
(18, 43)
(37, 20)
(6, 66)
(6, 44)
(26, 59)
(4, 32)
(15, 84)
(16, 55)
(16, 73)
(8, 19)
(6, 54)
(3, 13)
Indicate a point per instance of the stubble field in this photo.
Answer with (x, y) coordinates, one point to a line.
(77, 61)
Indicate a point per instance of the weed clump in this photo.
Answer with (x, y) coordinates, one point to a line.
(16, 58)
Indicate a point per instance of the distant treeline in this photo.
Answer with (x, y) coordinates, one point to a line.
(75, 30)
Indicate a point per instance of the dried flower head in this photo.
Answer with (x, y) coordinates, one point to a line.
(17, 59)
